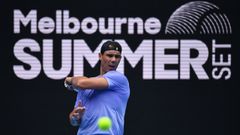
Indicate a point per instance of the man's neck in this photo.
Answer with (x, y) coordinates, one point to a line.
(102, 72)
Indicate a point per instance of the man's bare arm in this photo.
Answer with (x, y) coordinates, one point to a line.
(87, 83)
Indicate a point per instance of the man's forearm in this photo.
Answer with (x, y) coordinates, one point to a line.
(74, 80)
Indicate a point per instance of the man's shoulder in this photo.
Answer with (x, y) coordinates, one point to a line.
(116, 74)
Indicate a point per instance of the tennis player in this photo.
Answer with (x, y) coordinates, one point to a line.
(103, 95)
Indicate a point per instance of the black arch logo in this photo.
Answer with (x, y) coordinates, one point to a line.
(198, 17)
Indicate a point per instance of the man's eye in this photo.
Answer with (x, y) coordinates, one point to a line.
(109, 55)
(118, 56)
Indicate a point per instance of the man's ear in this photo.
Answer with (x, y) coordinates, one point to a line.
(100, 56)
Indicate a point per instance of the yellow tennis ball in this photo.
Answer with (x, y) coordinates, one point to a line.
(104, 123)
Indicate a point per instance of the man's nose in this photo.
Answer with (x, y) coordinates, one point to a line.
(113, 59)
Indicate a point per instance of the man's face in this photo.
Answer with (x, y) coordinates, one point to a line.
(110, 60)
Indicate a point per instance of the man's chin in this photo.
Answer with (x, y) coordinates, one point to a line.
(111, 69)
